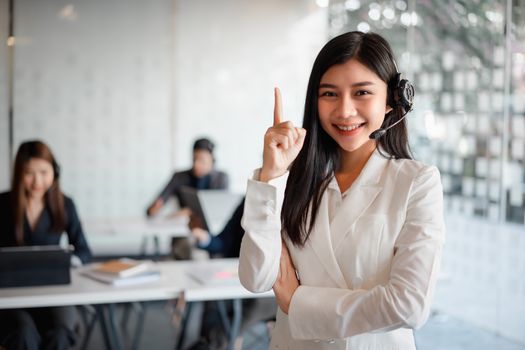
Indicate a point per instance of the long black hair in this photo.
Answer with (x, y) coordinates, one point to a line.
(54, 197)
(319, 158)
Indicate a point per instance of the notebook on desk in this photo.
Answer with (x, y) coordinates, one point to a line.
(214, 275)
(213, 207)
(34, 266)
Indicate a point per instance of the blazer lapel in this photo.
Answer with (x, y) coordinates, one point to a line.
(325, 235)
(360, 196)
(320, 242)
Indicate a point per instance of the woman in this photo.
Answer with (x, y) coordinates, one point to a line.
(350, 238)
(36, 212)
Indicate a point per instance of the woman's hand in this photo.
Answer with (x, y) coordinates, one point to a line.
(287, 281)
(282, 143)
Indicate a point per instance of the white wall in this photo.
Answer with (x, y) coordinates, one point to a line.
(120, 90)
(229, 55)
(93, 80)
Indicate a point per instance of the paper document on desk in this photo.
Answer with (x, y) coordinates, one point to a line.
(214, 275)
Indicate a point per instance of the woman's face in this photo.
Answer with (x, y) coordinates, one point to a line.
(38, 177)
(351, 104)
(202, 162)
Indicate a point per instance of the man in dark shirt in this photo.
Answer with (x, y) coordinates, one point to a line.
(202, 176)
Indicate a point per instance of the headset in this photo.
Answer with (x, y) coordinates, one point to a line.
(56, 169)
(400, 96)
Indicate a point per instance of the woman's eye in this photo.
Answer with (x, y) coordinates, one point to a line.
(328, 93)
(362, 93)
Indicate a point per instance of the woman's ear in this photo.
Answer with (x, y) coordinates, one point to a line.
(388, 109)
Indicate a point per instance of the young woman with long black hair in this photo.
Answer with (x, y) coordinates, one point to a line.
(344, 226)
(36, 212)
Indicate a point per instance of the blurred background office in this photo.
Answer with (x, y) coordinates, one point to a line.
(120, 89)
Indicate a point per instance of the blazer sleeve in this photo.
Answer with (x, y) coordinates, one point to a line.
(324, 313)
(7, 237)
(75, 233)
(261, 244)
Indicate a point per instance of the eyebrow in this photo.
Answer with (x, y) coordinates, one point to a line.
(361, 83)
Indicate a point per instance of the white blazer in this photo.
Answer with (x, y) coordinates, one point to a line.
(367, 278)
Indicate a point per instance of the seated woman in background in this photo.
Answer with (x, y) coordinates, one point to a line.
(36, 212)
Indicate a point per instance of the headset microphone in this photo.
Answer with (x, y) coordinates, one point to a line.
(377, 134)
(380, 132)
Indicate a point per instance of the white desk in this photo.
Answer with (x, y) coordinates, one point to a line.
(215, 279)
(117, 235)
(174, 280)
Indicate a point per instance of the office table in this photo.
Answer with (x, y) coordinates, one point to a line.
(176, 280)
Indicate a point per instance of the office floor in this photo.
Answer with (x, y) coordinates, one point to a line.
(440, 333)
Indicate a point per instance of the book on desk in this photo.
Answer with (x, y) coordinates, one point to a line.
(121, 272)
(123, 267)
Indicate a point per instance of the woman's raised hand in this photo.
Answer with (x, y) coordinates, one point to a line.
(282, 143)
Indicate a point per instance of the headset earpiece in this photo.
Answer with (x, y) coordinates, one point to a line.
(401, 93)
(56, 169)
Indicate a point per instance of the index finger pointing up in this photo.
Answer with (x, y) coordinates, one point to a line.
(277, 108)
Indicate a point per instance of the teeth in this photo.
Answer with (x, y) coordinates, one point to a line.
(348, 127)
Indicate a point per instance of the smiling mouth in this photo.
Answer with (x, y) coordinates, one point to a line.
(348, 128)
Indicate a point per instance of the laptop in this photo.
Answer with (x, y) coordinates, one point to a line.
(34, 266)
(213, 207)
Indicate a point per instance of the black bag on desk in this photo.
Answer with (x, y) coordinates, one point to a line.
(34, 266)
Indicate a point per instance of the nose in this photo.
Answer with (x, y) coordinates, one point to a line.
(37, 180)
(346, 107)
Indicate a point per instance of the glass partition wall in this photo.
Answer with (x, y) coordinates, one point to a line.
(467, 62)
